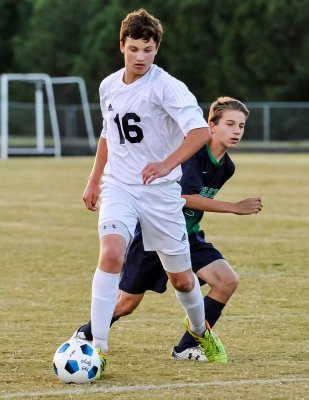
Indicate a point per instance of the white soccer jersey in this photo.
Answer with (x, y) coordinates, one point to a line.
(145, 122)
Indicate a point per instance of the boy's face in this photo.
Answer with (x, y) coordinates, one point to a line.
(138, 57)
(230, 128)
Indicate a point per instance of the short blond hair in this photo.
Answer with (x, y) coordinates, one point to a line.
(225, 103)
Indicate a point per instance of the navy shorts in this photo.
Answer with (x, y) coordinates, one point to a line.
(143, 269)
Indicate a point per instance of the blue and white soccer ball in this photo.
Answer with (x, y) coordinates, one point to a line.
(76, 361)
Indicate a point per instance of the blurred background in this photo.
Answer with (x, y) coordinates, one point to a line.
(254, 50)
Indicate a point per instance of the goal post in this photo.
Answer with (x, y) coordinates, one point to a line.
(85, 104)
(42, 82)
(38, 79)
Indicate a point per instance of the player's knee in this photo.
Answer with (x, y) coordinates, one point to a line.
(230, 283)
(221, 278)
(111, 258)
(183, 283)
(112, 253)
(234, 282)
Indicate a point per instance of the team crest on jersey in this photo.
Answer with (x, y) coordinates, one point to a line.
(110, 108)
(208, 192)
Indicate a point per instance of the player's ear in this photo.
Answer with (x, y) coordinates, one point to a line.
(212, 127)
(121, 46)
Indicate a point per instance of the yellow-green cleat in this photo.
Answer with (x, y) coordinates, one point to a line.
(103, 358)
(210, 343)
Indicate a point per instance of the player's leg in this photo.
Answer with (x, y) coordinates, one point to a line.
(117, 222)
(221, 279)
(223, 282)
(105, 286)
(188, 293)
(126, 304)
(164, 230)
(192, 302)
(141, 271)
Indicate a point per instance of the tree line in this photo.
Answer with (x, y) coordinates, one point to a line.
(256, 50)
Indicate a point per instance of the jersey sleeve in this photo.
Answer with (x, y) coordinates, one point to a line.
(192, 175)
(182, 105)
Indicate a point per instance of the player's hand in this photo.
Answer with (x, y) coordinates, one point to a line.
(248, 206)
(153, 171)
(91, 195)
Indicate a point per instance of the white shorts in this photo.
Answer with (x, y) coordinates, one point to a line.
(158, 208)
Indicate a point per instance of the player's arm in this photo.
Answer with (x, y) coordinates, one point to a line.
(243, 207)
(92, 190)
(194, 140)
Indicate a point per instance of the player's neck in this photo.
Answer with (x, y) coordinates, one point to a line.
(217, 150)
(130, 77)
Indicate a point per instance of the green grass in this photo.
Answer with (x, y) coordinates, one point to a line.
(49, 249)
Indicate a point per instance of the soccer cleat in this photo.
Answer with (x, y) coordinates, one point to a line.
(191, 353)
(103, 357)
(210, 343)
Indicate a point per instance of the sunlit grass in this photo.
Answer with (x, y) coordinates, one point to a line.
(49, 250)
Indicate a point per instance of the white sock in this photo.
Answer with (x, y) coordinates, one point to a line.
(104, 298)
(193, 303)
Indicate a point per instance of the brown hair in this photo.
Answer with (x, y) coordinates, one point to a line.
(225, 103)
(141, 25)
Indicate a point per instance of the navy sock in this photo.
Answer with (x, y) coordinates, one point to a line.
(185, 342)
(87, 329)
(213, 309)
(114, 320)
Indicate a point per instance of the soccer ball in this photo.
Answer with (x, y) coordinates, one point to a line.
(76, 361)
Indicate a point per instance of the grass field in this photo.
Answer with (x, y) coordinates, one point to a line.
(49, 248)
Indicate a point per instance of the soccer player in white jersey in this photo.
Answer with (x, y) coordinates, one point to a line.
(151, 124)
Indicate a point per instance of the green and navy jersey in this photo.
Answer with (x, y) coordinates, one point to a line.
(203, 175)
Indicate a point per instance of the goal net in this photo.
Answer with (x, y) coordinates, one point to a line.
(51, 117)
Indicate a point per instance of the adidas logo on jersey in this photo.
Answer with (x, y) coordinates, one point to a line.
(110, 108)
(184, 237)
